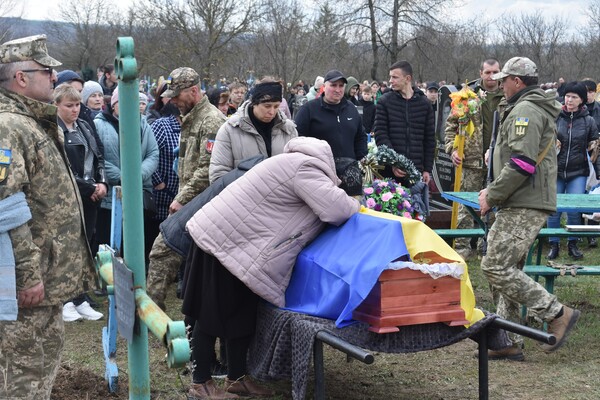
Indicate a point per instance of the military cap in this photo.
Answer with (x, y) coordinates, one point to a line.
(180, 79)
(517, 66)
(27, 49)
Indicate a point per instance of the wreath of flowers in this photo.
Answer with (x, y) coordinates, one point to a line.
(387, 156)
(390, 197)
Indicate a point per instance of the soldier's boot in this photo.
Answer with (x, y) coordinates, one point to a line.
(560, 327)
(574, 252)
(512, 353)
(554, 250)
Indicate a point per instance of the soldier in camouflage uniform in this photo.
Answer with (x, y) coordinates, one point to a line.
(200, 123)
(524, 192)
(474, 171)
(51, 254)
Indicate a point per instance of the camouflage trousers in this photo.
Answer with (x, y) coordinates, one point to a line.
(509, 240)
(163, 268)
(473, 180)
(30, 350)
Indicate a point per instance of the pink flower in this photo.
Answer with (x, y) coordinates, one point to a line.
(406, 215)
(401, 191)
(387, 196)
(368, 190)
(406, 204)
(370, 203)
(382, 183)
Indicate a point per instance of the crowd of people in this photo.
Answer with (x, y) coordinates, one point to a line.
(60, 161)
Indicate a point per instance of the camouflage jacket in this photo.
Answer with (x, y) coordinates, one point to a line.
(198, 131)
(476, 144)
(52, 247)
(527, 128)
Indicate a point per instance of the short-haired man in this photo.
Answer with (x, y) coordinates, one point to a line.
(109, 80)
(404, 122)
(44, 255)
(200, 123)
(474, 170)
(523, 191)
(432, 89)
(333, 118)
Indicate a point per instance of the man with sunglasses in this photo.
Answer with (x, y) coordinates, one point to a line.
(44, 255)
(523, 191)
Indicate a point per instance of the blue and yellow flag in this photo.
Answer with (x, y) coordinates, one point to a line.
(336, 272)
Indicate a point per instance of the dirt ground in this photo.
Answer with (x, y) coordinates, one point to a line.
(449, 373)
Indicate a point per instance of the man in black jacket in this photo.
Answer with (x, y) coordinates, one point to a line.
(334, 119)
(404, 121)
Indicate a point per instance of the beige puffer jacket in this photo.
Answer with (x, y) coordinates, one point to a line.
(257, 226)
(238, 140)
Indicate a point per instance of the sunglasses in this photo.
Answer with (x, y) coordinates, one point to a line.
(48, 70)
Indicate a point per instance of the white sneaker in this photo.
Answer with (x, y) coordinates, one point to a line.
(87, 312)
(70, 314)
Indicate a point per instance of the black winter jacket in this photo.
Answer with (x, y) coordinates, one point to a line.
(76, 154)
(368, 115)
(594, 110)
(575, 131)
(407, 126)
(344, 131)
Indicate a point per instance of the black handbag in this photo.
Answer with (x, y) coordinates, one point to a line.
(149, 203)
(348, 170)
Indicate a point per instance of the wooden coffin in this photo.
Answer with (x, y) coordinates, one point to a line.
(408, 297)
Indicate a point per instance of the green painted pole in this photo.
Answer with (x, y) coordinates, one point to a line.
(133, 222)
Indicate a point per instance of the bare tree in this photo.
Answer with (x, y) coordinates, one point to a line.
(282, 32)
(202, 29)
(85, 39)
(8, 7)
(531, 36)
(393, 24)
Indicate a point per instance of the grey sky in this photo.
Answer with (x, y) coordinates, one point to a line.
(573, 10)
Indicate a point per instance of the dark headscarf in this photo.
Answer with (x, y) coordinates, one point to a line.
(267, 92)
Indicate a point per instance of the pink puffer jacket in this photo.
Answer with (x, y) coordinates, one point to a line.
(258, 224)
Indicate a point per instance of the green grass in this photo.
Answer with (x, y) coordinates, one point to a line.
(447, 373)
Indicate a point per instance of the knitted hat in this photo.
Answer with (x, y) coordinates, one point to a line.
(143, 98)
(89, 88)
(115, 97)
(67, 76)
(578, 89)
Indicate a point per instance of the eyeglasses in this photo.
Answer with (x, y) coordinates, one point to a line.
(49, 70)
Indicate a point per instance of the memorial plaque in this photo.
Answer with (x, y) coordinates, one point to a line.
(124, 299)
(443, 169)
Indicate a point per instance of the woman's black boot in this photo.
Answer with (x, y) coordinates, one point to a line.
(554, 250)
(574, 252)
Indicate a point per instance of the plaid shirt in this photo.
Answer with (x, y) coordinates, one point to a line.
(166, 130)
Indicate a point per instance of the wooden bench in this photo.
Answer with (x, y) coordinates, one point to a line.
(550, 273)
(544, 233)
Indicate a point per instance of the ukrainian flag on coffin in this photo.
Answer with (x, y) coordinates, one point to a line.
(336, 272)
